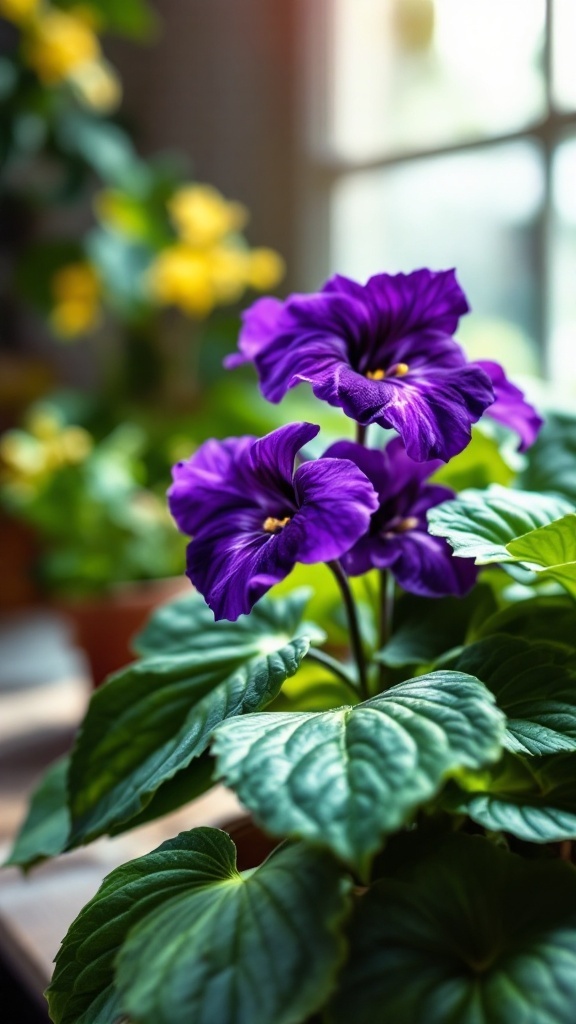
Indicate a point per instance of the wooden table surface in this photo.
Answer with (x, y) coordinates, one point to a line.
(44, 691)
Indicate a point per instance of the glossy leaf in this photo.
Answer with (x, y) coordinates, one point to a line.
(480, 524)
(346, 778)
(534, 684)
(470, 934)
(554, 548)
(549, 618)
(533, 799)
(45, 829)
(262, 947)
(149, 721)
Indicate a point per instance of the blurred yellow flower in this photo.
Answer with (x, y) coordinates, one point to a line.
(180, 276)
(97, 85)
(30, 456)
(265, 269)
(18, 11)
(227, 268)
(58, 44)
(76, 289)
(202, 217)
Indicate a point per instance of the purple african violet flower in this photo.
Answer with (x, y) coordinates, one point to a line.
(510, 407)
(252, 516)
(383, 352)
(398, 537)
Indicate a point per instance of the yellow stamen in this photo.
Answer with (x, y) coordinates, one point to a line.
(398, 370)
(409, 523)
(273, 525)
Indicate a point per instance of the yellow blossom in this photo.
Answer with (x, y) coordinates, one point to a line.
(265, 269)
(203, 217)
(76, 289)
(58, 44)
(97, 85)
(18, 11)
(227, 268)
(31, 456)
(181, 277)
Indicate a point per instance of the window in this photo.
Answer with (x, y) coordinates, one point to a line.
(443, 133)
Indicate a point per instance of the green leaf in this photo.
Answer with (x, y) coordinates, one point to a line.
(549, 618)
(81, 990)
(346, 778)
(551, 461)
(186, 625)
(258, 948)
(533, 799)
(199, 941)
(480, 524)
(470, 934)
(150, 720)
(534, 684)
(44, 831)
(554, 548)
(424, 629)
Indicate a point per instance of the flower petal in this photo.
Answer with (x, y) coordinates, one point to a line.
(259, 326)
(336, 503)
(428, 568)
(510, 407)
(270, 459)
(206, 482)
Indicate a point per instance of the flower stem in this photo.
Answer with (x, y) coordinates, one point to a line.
(361, 433)
(387, 585)
(334, 666)
(355, 637)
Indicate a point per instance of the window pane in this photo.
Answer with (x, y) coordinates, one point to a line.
(563, 285)
(403, 75)
(474, 211)
(564, 44)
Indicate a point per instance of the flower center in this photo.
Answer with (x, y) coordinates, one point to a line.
(398, 370)
(400, 526)
(273, 525)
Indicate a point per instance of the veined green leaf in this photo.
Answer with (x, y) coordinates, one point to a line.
(534, 799)
(534, 684)
(180, 935)
(45, 829)
(554, 548)
(480, 524)
(149, 721)
(346, 778)
(467, 934)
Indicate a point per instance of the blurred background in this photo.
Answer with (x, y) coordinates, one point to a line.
(164, 163)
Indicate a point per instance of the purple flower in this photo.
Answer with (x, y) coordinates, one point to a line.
(398, 537)
(510, 407)
(383, 352)
(252, 516)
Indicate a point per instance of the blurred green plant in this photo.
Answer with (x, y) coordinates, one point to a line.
(89, 502)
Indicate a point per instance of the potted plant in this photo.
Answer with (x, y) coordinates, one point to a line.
(107, 550)
(420, 790)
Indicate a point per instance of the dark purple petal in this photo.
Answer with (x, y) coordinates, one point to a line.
(383, 352)
(510, 407)
(336, 502)
(398, 536)
(428, 568)
(252, 517)
(259, 326)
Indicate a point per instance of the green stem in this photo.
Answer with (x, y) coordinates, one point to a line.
(355, 637)
(330, 663)
(361, 430)
(387, 586)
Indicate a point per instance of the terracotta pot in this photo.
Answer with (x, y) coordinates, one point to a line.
(104, 626)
